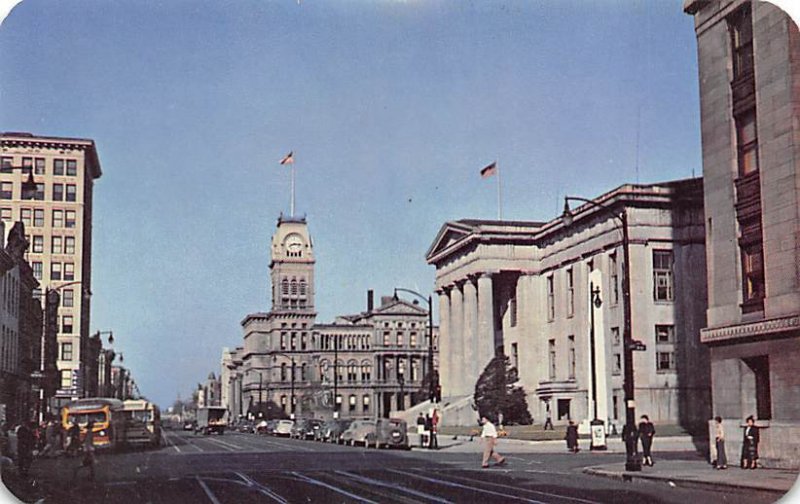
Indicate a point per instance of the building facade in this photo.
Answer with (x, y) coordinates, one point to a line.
(523, 289)
(58, 223)
(749, 74)
(364, 365)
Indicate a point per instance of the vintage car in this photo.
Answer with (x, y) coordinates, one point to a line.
(283, 428)
(360, 432)
(391, 433)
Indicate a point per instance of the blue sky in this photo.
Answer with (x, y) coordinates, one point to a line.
(391, 108)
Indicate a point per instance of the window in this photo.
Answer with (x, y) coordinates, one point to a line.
(38, 244)
(37, 270)
(66, 324)
(662, 275)
(58, 167)
(72, 167)
(366, 371)
(58, 192)
(283, 371)
(71, 192)
(741, 29)
(386, 338)
(67, 298)
(66, 351)
(365, 403)
(614, 278)
(6, 190)
(747, 142)
(412, 339)
(551, 306)
(400, 339)
(352, 372)
(615, 337)
(69, 271)
(665, 361)
(572, 361)
(5, 164)
(39, 194)
(294, 341)
(284, 337)
(552, 358)
(69, 245)
(58, 218)
(38, 217)
(515, 356)
(66, 378)
(39, 167)
(56, 245)
(55, 271)
(570, 293)
(70, 218)
(753, 274)
(27, 165)
(665, 334)
(617, 369)
(352, 402)
(5, 214)
(25, 216)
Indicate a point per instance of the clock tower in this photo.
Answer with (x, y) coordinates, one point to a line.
(292, 266)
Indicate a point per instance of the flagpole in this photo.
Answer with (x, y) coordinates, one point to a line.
(292, 195)
(499, 195)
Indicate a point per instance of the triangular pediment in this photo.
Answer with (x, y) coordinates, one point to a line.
(399, 307)
(450, 234)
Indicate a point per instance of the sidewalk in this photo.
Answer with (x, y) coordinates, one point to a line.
(464, 444)
(694, 473)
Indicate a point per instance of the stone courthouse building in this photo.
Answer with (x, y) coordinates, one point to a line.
(524, 288)
(749, 66)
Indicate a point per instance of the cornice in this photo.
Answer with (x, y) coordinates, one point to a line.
(769, 327)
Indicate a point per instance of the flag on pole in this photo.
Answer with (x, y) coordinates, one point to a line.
(288, 159)
(489, 170)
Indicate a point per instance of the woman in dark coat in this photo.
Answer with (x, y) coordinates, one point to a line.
(750, 444)
(646, 433)
(572, 437)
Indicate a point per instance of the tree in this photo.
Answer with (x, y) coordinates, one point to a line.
(496, 393)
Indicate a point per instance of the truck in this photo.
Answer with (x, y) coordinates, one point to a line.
(211, 419)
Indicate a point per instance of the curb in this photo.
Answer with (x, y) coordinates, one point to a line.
(687, 483)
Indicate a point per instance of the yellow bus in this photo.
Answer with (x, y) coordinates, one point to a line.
(142, 422)
(107, 415)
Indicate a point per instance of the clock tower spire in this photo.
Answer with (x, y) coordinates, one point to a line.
(292, 266)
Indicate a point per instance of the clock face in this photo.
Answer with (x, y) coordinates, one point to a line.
(294, 243)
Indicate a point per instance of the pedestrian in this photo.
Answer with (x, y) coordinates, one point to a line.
(25, 444)
(549, 419)
(489, 435)
(51, 438)
(572, 437)
(646, 432)
(750, 444)
(722, 459)
(434, 438)
(421, 429)
(73, 439)
(88, 459)
(428, 429)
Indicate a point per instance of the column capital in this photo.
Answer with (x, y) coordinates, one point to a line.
(487, 274)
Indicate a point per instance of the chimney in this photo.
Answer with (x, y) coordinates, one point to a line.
(370, 300)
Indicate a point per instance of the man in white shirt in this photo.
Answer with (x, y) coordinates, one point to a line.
(489, 435)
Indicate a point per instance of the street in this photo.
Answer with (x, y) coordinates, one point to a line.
(242, 468)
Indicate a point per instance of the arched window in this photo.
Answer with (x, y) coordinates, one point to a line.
(285, 287)
(294, 287)
(324, 367)
(303, 372)
(302, 286)
(283, 371)
(352, 403)
(352, 373)
(339, 371)
(366, 371)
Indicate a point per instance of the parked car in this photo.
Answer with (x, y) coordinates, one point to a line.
(284, 428)
(331, 431)
(391, 433)
(270, 429)
(310, 428)
(360, 432)
(189, 426)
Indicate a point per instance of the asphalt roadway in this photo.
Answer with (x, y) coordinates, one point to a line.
(249, 468)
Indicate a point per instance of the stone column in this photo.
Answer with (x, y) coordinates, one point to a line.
(456, 357)
(485, 341)
(470, 363)
(445, 346)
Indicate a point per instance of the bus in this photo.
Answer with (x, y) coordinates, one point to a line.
(143, 422)
(105, 412)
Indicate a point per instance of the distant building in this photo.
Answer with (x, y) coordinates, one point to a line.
(58, 222)
(360, 366)
(523, 288)
(749, 73)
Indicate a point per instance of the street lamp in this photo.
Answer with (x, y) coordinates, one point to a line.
(433, 384)
(335, 376)
(630, 434)
(292, 401)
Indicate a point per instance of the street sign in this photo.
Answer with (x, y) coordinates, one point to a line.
(637, 346)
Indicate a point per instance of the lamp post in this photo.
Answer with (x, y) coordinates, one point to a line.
(28, 191)
(433, 384)
(630, 436)
(335, 376)
(108, 356)
(292, 401)
(52, 301)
